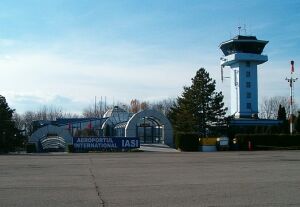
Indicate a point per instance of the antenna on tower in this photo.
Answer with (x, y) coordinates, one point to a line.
(101, 114)
(250, 29)
(95, 107)
(222, 70)
(239, 28)
(245, 30)
(222, 73)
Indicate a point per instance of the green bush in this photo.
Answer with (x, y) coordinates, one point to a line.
(268, 140)
(30, 148)
(70, 148)
(187, 141)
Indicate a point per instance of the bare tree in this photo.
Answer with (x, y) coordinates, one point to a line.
(48, 113)
(135, 106)
(95, 110)
(163, 106)
(269, 106)
(45, 113)
(19, 121)
(124, 106)
(144, 105)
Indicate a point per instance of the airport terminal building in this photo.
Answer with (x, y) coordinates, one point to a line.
(148, 126)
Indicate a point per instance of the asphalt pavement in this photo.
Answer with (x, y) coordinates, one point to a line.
(258, 178)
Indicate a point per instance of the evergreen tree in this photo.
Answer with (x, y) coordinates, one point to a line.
(199, 107)
(297, 123)
(8, 131)
(281, 115)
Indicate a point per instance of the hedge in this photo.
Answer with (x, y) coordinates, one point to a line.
(70, 148)
(187, 141)
(30, 148)
(268, 140)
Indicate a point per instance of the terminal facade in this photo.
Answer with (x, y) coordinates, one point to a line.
(150, 126)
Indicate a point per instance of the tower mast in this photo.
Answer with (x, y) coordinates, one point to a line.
(291, 80)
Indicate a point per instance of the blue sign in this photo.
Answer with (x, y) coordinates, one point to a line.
(104, 143)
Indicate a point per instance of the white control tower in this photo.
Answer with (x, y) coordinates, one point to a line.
(242, 55)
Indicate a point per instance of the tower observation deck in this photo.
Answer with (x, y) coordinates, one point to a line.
(242, 54)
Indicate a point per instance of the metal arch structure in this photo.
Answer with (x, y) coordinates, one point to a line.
(53, 143)
(42, 133)
(130, 129)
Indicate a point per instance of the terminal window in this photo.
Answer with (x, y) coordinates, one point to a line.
(248, 84)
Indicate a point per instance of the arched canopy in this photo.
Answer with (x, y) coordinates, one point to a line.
(44, 133)
(130, 129)
(53, 143)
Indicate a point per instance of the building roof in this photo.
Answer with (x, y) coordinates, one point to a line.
(243, 44)
(254, 122)
(113, 111)
(117, 115)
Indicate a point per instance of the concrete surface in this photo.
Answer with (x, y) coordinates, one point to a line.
(157, 148)
(151, 179)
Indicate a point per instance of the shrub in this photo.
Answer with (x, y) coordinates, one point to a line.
(268, 140)
(30, 148)
(70, 148)
(187, 141)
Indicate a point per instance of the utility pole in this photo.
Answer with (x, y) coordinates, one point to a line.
(291, 80)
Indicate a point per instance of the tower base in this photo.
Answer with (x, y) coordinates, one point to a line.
(246, 116)
(254, 122)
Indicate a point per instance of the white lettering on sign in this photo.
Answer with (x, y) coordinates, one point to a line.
(130, 143)
(105, 142)
(95, 145)
(101, 140)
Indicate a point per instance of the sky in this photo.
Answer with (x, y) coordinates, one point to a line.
(63, 53)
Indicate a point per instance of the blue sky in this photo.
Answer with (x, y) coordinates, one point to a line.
(64, 52)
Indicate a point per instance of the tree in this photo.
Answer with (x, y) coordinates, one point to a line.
(269, 106)
(135, 106)
(297, 123)
(281, 115)
(8, 132)
(200, 107)
(144, 105)
(163, 106)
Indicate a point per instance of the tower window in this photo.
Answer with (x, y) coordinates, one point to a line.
(247, 73)
(248, 84)
(248, 63)
(249, 106)
(248, 95)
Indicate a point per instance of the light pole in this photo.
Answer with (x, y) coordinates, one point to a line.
(291, 80)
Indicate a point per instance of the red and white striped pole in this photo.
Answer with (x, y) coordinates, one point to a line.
(291, 81)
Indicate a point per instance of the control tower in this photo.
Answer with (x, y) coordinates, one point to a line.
(242, 54)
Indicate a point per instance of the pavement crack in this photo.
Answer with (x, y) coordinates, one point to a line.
(100, 199)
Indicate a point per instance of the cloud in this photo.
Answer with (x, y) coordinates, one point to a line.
(7, 42)
(33, 102)
(34, 77)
